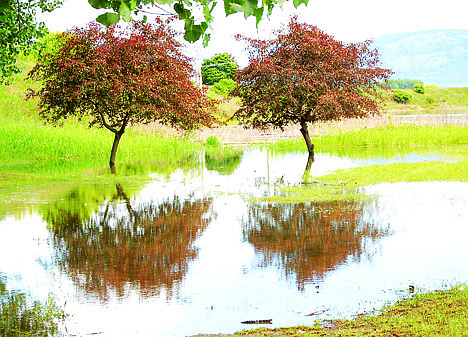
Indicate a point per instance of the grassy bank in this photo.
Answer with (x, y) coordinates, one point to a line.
(440, 313)
(434, 100)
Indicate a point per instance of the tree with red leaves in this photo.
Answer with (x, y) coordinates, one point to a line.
(119, 77)
(303, 75)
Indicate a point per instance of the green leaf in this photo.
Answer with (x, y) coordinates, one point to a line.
(108, 19)
(184, 14)
(194, 32)
(4, 5)
(298, 2)
(246, 6)
(99, 3)
(206, 40)
(207, 12)
(163, 2)
(125, 11)
(258, 13)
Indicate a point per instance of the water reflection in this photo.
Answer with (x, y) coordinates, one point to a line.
(154, 261)
(128, 244)
(224, 162)
(307, 240)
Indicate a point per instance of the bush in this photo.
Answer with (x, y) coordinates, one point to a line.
(430, 100)
(224, 87)
(401, 96)
(419, 88)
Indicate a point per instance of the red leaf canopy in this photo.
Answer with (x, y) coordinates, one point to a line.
(304, 75)
(136, 75)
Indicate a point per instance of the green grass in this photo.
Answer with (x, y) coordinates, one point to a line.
(440, 313)
(404, 137)
(30, 140)
(434, 100)
(397, 136)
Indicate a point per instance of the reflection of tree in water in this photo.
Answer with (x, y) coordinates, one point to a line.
(129, 245)
(223, 161)
(20, 315)
(308, 239)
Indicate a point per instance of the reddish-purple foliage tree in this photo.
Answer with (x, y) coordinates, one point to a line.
(117, 77)
(303, 75)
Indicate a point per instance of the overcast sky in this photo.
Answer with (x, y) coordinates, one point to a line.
(346, 20)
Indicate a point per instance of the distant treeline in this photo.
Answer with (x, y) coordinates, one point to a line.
(402, 84)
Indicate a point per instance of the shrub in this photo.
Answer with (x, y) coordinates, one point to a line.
(419, 88)
(401, 96)
(224, 87)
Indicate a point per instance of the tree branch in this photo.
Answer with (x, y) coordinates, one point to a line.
(124, 124)
(107, 126)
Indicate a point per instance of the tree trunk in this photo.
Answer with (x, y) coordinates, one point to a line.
(118, 135)
(305, 133)
(115, 145)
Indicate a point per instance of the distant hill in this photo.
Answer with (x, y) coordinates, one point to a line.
(437, 57)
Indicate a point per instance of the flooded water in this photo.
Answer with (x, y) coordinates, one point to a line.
(193, 251)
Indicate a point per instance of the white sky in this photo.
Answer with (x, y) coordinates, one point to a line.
(347, 20)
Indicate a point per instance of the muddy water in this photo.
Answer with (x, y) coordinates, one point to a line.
(193, 252)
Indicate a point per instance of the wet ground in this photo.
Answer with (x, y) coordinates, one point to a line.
(194, 250)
